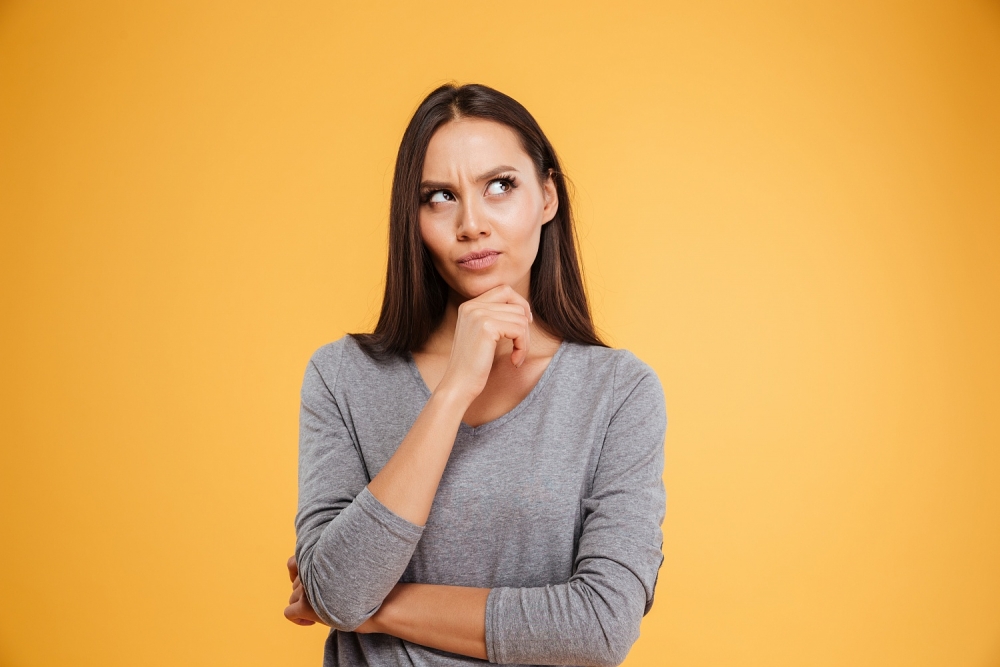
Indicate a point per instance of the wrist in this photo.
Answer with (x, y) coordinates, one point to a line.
(374, 623)
(452, 398)
(382, 620)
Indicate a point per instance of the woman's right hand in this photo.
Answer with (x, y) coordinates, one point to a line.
(500, 313)
(408, 482)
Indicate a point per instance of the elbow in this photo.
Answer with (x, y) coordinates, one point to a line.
(618, 652)
(349, 621)
(617, 629)
(336, 609)
(338, 606)
(611, 652)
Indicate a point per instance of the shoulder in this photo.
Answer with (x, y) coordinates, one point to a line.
(343, 360)
(632, 372)
(618, 368)
(629, 382)
(328, 357)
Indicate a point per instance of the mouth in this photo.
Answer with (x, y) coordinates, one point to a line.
(478, 260)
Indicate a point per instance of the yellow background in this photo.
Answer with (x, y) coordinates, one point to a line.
(791, 210)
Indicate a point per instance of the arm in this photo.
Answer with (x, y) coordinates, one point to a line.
(353, 547)
(593, 619)
(449, 618)
(351, 552)
(409, 481)
(354, 541)
(350, 549)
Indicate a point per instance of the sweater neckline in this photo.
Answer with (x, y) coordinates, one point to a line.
(505, 417)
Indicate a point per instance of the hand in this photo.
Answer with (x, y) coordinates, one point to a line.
(299, 611)
(482, 322)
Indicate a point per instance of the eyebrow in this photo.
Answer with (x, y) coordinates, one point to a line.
(495, 171)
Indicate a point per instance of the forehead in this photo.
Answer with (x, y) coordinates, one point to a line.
(474, 145)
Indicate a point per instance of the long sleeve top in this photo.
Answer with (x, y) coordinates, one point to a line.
(555, 506)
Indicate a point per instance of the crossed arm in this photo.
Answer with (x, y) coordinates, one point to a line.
(450, 618)
(346, 527)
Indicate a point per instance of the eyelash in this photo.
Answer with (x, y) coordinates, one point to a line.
(509, 179)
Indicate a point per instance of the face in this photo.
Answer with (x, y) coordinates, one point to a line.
(482, 207)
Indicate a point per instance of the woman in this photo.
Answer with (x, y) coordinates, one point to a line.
(481, 477)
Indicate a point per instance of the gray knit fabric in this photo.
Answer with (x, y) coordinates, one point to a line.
(556, 506)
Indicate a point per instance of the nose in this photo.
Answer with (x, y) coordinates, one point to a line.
(472, 220)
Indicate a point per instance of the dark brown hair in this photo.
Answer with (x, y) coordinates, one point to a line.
(415, 293)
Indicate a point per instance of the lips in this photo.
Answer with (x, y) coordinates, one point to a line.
(479, 254)
(478, 260)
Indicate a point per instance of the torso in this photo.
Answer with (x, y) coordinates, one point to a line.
(513, 501)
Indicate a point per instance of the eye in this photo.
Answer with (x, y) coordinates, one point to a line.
(499, 186)
(439, 197)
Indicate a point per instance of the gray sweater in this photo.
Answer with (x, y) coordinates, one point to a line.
(556, 506)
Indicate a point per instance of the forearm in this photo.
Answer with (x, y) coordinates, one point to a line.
(449, 618)
(568, 623)
(408, 482)
(585, 621)
(351, 559)
(353, 562)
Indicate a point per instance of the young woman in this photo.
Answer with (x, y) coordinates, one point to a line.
(481, 477)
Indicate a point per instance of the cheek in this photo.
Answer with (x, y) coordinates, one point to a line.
(432, 236)
(523, 223)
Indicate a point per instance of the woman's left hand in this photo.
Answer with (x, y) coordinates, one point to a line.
(299, 611)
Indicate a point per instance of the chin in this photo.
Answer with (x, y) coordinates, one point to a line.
(473, 288)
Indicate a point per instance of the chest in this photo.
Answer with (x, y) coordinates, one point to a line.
(506, 387)
(509, 507)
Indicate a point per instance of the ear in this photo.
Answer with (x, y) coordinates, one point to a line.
(550, 197)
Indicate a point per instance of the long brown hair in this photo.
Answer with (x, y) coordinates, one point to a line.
(415, 294)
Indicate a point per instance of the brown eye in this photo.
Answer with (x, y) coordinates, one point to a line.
(440, 196)
(498, 187)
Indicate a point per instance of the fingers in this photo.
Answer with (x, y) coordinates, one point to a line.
(297, 613)
(503, 313)
(300, 612)
(505, 294)
(493, 305)
(482, 322)
(520, 352)
(513, 327)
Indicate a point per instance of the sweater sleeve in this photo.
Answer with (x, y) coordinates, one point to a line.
(351, 550)
(594, 618)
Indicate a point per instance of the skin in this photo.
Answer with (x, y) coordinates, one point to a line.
(480, 192)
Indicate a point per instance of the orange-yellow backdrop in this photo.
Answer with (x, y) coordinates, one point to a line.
(791, 210)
